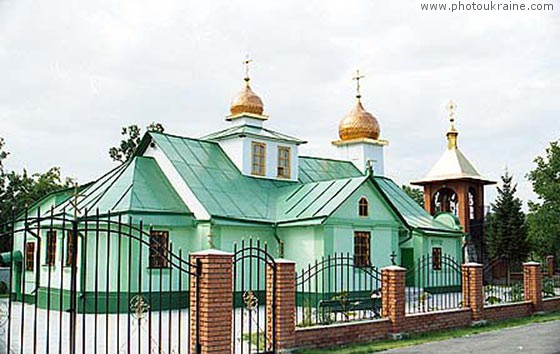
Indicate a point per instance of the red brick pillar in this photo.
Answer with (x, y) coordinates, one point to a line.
(393, 296)
(213, 288)
(284, 310)
(550, 265)
(473, 291)
(532, 281)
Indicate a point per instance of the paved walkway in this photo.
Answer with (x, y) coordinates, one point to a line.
(536, 338)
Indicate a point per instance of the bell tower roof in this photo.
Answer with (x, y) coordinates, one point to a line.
(453, 164)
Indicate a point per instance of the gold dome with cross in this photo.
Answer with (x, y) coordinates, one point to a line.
(247, 101)
(359, 123)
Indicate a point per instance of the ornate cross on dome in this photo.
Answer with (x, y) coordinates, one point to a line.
(357, 78)
(451, 106)
(246, 62)
(452, 133)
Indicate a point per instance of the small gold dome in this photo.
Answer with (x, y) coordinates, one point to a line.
(358, 124)
(246, 101)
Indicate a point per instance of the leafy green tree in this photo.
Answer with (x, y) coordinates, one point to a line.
(130, 141)
(414, 193)
(506, 227)
(544, 215)
(19, 190)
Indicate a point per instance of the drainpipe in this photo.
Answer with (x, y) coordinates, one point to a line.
(407, 238)
(280, 242)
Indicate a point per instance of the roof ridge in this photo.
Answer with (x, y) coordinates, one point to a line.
(185, 138)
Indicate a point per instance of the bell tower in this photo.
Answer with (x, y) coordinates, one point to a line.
(454, 185)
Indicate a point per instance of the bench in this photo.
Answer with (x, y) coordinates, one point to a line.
(350, 304)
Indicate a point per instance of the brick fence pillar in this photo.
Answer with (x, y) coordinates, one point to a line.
(550, 265)
(214, 290)
(532, 283)
(473, 291)
(284, 310)
(393, 296)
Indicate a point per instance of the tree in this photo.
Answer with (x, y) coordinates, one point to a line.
(415, 194)
(19, 190)
(506, 227)
(131, 140)
(544, 215)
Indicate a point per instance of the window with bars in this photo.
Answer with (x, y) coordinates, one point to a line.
(69, 248)
(30, 256)
(436, 258)
(363, 207)
(158, 249)
(258, 159)
(283, 162)
(50, 257)
(362, 249)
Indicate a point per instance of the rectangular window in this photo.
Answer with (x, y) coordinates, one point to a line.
(283, 162)
(69, 248)
(30, 256)
(158, 249)
(436, 258)
(51, 248)
(258, 161)
(361, 249)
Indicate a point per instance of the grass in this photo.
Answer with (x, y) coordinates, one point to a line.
(433, 336)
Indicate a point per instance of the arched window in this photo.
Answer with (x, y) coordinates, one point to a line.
(363, 207)
(445, 199)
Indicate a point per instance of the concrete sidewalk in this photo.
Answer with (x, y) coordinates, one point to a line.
(536, 338)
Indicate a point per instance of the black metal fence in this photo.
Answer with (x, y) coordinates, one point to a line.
(551, 286)
(433, 284)
(503, 282)
(94, 284)
(254, 298)
(337, 289)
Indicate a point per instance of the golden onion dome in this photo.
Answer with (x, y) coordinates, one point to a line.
(247, 101)
(358, 124)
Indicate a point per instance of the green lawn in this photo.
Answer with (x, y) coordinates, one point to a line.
(432, 336)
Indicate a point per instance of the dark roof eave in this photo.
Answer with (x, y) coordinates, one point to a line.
(453, 179)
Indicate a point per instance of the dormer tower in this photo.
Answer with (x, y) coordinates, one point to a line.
(257, 151)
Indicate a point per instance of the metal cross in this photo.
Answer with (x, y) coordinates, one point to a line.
(393, 257)
(451, 106)
(246, 62)
(357, 78)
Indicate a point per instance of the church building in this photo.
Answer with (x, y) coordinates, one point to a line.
(250, 181)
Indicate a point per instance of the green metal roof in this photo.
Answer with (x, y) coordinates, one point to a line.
(412, 213)
(251, 130)
(216, 181)
(312, 169)
(136, 186)
(324, 184)
(315, 199)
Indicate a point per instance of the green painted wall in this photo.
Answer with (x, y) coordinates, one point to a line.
(381, 222)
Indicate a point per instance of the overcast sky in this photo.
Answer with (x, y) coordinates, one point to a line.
(73, 72)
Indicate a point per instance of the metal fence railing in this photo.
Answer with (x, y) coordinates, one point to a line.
(337, 289)
(433, 284)
(503, 282)
(551, 286)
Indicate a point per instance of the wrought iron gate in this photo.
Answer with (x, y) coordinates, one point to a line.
(94, 284)
(433, 284)
(254, 299)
